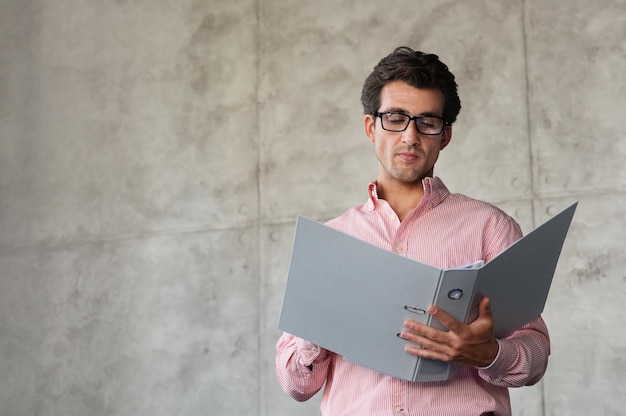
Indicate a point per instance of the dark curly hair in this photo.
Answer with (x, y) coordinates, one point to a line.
(418, 69)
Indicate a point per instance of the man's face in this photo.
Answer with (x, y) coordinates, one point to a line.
(405, 158)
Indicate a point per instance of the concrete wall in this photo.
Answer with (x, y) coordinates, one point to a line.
(154, 155)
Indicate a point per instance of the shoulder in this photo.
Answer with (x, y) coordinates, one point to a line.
(350, 218)
(498, 229)
(475, 208)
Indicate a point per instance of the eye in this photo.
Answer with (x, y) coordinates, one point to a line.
(430, 123)
(396, 118)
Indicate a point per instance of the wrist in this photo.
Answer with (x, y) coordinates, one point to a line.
(493, 351)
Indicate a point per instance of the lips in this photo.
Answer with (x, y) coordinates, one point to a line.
(408, 157)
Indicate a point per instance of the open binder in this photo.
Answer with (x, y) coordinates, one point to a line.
(352, 297)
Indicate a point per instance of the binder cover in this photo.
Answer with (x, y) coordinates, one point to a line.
(352, 298)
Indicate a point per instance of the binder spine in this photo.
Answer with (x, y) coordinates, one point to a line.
(455, 295)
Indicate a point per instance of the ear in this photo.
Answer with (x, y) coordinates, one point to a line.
(369, 123)
(446, 136)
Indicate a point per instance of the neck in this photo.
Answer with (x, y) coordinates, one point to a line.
(401, 197)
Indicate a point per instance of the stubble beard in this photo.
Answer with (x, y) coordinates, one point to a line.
(405, 176)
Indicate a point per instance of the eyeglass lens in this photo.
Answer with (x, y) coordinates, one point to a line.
(399, 122)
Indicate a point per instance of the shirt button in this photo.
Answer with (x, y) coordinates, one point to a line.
(399, 248)
(314, 349)
(397, 409)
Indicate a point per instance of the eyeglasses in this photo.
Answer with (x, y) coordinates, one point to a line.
(397, 122)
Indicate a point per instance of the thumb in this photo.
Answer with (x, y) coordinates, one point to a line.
(484, 308)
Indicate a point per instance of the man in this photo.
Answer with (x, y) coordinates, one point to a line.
(410, 101)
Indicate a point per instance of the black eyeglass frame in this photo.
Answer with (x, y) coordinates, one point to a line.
(410, 118)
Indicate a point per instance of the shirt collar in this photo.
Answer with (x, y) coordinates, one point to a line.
(435, 191)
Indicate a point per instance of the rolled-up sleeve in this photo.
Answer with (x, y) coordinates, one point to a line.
(301, 367)
(523, 357)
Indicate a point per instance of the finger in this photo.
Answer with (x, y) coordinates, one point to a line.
(425, 352)
(415, 326)
(417, 329)
(445, 319)
(431, 339)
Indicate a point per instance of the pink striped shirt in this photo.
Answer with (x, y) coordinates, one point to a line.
(445, 230)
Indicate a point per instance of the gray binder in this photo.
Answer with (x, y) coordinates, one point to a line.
(352, 297)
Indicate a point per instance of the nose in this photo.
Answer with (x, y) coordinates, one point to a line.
(410, 135)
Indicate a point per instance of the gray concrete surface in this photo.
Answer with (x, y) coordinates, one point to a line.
(154, 155)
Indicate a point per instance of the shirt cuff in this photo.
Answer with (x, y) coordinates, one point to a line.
(495, 360)
(309, 353)
(502, 362)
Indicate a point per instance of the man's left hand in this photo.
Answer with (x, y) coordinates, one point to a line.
(471, 344)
